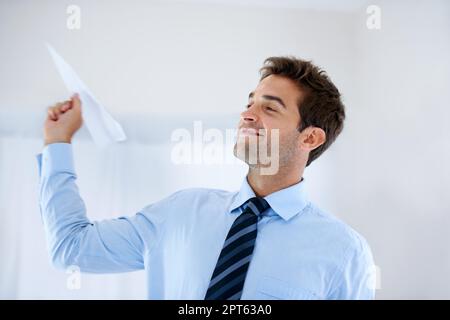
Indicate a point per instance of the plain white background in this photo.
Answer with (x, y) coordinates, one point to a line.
(160, 65)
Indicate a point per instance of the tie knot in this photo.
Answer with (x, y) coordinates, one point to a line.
(257, 205)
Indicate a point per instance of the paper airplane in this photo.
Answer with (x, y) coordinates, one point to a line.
(101, 125)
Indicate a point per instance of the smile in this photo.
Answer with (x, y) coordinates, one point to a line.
(249, 132)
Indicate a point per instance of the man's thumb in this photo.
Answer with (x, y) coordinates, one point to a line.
(76, 102)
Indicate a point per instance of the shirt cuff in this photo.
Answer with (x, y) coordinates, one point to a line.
(56, 158)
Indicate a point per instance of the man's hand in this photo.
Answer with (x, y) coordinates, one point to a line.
(63, 120)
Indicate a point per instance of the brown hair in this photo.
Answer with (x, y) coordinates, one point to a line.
(321, 106)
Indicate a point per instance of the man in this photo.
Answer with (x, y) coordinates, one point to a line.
(267, 241)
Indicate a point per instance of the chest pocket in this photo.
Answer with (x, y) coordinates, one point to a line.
(274, 289)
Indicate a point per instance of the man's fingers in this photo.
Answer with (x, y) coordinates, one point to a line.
(61, 107)
(51, 114)
(58, 109)
(66, 106)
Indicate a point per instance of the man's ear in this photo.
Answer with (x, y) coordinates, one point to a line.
(312, 138)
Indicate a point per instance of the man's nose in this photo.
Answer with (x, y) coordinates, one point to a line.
(249, 115)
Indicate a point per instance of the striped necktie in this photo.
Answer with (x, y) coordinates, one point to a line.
(228, 278)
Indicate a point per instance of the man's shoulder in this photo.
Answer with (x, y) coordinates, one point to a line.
(190, 194)
(193, 196)
(335, 229)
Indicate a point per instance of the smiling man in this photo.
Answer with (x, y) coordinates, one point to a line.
(266, 241)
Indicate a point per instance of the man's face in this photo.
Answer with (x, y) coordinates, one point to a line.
(272, 105)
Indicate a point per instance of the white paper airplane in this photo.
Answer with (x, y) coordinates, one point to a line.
(103, 128)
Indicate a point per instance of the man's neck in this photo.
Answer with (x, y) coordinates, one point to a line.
(263, 185)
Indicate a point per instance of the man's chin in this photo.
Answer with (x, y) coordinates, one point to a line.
(241, 151)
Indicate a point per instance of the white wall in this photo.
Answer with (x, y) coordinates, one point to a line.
(398, 138)
(158, 66)
(143, 56)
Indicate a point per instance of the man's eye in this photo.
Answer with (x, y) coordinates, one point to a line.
(248, 106)
(270, 109)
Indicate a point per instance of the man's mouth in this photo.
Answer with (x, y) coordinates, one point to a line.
(250, 132)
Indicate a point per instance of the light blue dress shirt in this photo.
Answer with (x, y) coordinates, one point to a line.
(301, 252)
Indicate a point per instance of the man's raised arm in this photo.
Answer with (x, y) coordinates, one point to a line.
(116, 245)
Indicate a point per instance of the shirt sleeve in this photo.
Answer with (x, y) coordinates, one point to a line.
(357, 278)
(116, 245)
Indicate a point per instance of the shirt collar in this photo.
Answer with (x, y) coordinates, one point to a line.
(286, 202)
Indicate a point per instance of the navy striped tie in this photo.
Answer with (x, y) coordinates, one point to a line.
(228, 278)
